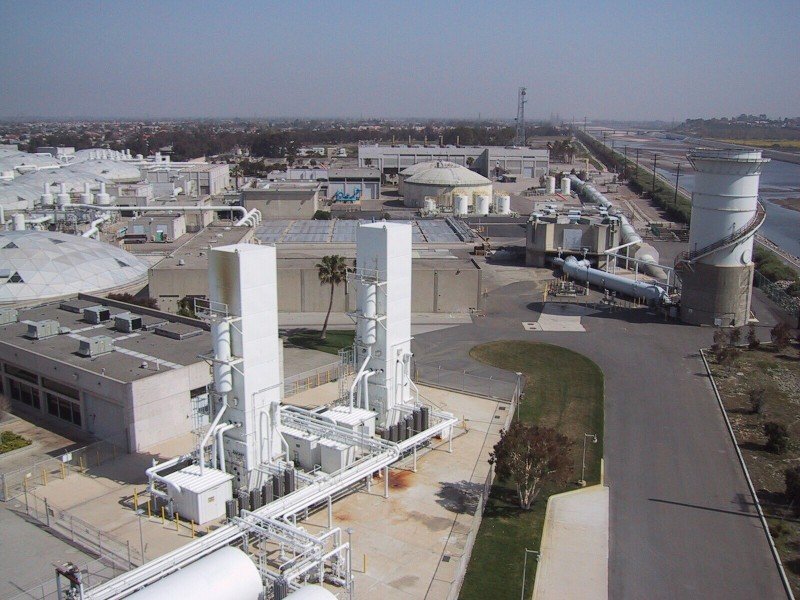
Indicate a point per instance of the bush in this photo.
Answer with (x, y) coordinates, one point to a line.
(792, 478)
(131, 299)
(781, 335)
(11, 441)
(772, 267)
(752, 337)
(735, 336)
(777, 437)
(794, 290)
(757, 396)
(322, 215)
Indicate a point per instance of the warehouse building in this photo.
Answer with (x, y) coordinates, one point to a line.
(488, 161)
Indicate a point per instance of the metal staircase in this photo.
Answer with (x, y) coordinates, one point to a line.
(685, 259)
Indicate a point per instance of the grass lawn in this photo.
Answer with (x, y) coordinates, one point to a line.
(333, 342)
(778, 372)
(11, 441)
(563, 390)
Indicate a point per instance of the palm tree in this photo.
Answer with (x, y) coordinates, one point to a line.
(332, 270)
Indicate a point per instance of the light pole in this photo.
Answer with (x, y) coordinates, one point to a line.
(139, 512)
(586, 436)
(525, 569)
(519, 393)
(350, 581)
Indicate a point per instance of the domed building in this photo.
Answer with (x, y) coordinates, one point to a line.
(43, 265)
(419, 168)
(444, 181)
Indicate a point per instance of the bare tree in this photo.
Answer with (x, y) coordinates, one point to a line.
(529, 455)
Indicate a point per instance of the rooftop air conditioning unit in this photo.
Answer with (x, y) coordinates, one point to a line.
(127, 322)
(39, 330)
(95, 346)
(96, 314)
(8, 316)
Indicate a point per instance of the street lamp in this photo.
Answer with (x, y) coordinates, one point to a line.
(350, 581)
(525, 568)
(586, 436)
(519, 393)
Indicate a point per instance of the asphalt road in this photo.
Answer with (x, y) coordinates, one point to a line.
(682, 521)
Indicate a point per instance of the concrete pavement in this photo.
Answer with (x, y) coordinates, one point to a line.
(682, 520)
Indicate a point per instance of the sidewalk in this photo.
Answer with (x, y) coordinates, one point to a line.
(574, 548)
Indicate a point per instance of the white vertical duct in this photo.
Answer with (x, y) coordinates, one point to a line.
(551, 184)
(566, 185)
(103, 199)
(86, 196)
(18, 221)
(221, 338)
(62, 198)
(47, 197)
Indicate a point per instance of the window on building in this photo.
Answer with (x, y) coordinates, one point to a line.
(65, 410)
(62, 389)
(22, 374)
(24, 393)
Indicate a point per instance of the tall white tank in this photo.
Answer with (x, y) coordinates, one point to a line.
(62, 198)
(102, 198)
(724, 201)
(503, 204)
(460, 205)
(18, 222)
(566, 185)
(367, 302)
(482, 205)
(227, 574)
(87, 197)
(551, 184)
(47, 197)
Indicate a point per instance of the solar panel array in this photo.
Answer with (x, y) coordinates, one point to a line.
(340, 231)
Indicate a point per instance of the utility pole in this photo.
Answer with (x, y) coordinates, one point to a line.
(637, 159)
(653, 192)
(584, 124)
(519, 136)
(625, 164)
(677, 178)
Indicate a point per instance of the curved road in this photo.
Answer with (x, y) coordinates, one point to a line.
(682, 522)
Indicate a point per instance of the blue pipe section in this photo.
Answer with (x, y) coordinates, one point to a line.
(581, 272)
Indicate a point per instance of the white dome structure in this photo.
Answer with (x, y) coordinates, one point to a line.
(419, 168)
(444, 181)
(42, 265)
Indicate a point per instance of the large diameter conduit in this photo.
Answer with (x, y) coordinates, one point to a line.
(629, 235)
(246, 217)
(580, 271)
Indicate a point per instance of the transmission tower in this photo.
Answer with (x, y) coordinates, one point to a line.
(519, 136)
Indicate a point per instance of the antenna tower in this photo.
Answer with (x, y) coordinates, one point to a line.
(519, 136)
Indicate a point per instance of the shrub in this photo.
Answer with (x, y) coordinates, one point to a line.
(757, 398)
(735, 336)
(719, 341)
(727, 355)
(777, 437)
(752, 337)
(781, 335)
(322, 215)
(791, 477)
(138, 301)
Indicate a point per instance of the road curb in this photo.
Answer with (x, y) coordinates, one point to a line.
(773, 549)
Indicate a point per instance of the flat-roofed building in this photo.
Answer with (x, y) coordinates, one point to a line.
(363, 183)
(282, 199)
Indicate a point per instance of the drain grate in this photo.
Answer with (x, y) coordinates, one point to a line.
(446, 558)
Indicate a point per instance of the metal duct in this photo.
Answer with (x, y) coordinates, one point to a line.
(581, 272)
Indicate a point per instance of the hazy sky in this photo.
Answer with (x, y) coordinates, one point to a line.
(636, 60)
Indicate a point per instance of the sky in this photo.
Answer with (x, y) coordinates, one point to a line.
(614, 60)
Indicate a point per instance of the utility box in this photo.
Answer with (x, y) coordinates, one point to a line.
(304, 448)
(127, 322)
(96, 314)
(358, 420)
(39, 330)
(8, 316)
(95, 346)
(335, 455)
(202, 497)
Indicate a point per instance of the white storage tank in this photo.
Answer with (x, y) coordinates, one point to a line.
(503, 204)
(103, 199)
(62, 198)
(227, 574)
(566, 185)
(482, 205)
(460, 205)
(551, 184)
(19, 222)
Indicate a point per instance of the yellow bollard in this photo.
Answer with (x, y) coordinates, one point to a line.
(135, 500)
(63, 470)
(83, 464)
(163, 516)
(192, 529)
(44, 476)
(149, 512)
(365, 563)
(177, 523)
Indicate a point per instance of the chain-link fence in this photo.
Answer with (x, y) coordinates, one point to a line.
(498, 388)
(788, 304)
(25, 479)
(93, 574)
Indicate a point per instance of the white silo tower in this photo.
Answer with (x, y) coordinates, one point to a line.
(717, 270)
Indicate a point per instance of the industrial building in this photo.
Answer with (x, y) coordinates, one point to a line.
(282, 199)
(350, 184)
(129, 375)
(588, 236)
(489, 161)
(717, 270)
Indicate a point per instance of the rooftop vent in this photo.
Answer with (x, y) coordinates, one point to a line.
(127, 322)
(76, 306)
(96, 314)
(178, 331)
(39, 330)
(95, 346)
(8, 316)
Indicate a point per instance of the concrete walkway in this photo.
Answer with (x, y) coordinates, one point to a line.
(574, 562)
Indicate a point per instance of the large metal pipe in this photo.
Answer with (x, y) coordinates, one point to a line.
(581, 272)
(234, 209)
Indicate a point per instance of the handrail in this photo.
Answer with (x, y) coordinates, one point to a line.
(690, 256)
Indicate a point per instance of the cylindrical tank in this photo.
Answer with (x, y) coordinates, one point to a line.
(227, 574)
(311, 592)
(503, 204)
(103, 199)
(62, 198)
(430, 205)
(221, 339)
(367, 303)
(566, 185)
(551, 184)
(47, 197)
(724, 201)
(460, 205)
(482, 205)
(86, 196)
(18, 221)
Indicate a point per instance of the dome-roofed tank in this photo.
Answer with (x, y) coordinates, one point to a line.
(41, 265)
(444, 180)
